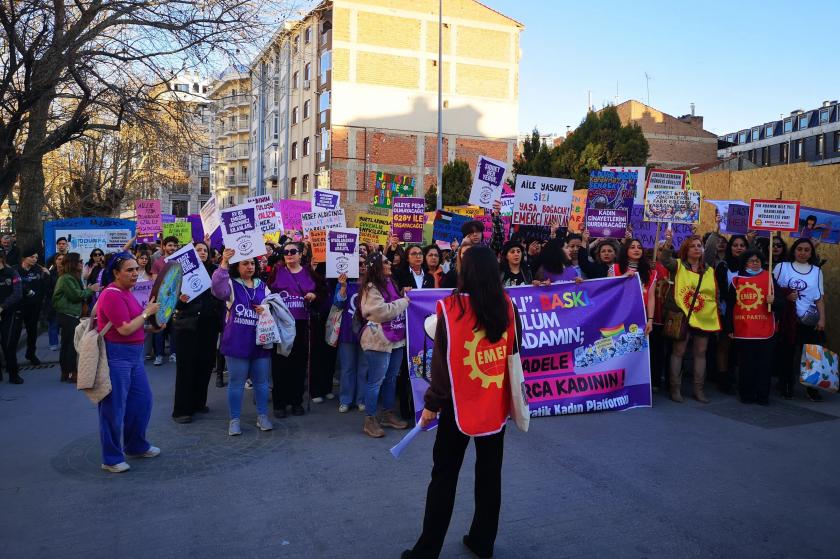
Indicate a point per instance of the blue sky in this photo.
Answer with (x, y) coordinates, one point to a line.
(742, 62)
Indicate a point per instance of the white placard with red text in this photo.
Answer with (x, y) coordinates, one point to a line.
(774, 215)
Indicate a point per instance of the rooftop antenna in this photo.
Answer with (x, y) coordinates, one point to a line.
(647, 81)
(616, 93)
(589, 100)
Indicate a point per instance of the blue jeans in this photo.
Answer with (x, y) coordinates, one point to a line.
(159, 341)
(240, 369)
(52, 331)
(382, 370)
(124, 413)
(353, 374)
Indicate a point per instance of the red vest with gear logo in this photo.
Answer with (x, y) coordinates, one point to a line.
(751, 317)
(478, 369)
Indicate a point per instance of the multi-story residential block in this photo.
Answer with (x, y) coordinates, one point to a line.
(230, 135)
(350, 91)
(802, 136)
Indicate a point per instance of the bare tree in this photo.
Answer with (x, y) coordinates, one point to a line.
(69, 69)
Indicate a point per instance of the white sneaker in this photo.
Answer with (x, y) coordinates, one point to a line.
(361, 408)
(234, 428)
(317, 400)
(116, 468)
(158, 361)
(248, 384)
(343, 408)
(263, 424)
(330, 396)
(151, 453)
(53, 348)
(172, 358)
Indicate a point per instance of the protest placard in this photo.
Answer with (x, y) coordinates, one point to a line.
(640, 180)
(142, 291)
(318, 242)
(447, 226)
(180, 229)
(266, 214)
(508, 197)
(323, 219)
(737, 219)
(578, 213)
(666, 179)
(343, 252)
(487, 182)
(210, 216)
(196, 280)
(817, 224)
(386, 187)
(290, 212)
(408, 218)
(672, 206)
(472, 212)
(607, 223)
(241, 232)
(149, 223)
(373, 229)
(84, 234)
(168, 218)
(541, 200)
(645, 231)
(325, 199)
(774, 215)
(611, 190)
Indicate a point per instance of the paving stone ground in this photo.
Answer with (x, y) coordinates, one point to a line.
(723, 480)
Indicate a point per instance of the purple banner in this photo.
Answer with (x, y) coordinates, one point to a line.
(583, 345)
(738, 219)
(645, 231)
(198, 232)
(408, 215)
(607, 223)
(608, 189)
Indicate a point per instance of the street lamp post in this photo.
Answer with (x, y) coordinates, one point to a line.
(440, 109)
(13, 208)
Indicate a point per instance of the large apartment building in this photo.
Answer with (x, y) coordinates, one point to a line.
(230, 135)
(349, 92)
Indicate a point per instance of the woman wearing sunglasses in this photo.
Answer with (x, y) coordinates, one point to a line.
(94, 265)
(301, 290)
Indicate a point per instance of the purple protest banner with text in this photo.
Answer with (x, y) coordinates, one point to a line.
(607, 223)
(408, 216)
(645, 231)
(583, 345)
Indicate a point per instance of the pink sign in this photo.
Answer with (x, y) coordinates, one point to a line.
(549, 389)
(149, 222)
(290, 211)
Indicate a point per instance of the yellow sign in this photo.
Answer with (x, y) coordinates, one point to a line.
(374, 229)
(180, 229)
(471, 212)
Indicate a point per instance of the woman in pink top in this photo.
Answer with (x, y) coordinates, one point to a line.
(124, 414)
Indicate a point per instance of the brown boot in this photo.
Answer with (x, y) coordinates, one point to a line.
(676, 384)
(389, 419)
(699, 381)
(372, 428)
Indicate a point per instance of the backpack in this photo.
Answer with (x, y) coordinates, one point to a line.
(93, 376)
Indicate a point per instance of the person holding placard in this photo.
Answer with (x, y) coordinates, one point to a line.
(301, 290)
(196, 329)
(632, 261)
(351, 362)
(802, 279)
(168, 247)
(726, 271)
(243, 293)
(604, 255)
(695, 297)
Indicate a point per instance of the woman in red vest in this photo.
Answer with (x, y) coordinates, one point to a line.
(751, 323)
(470, 388)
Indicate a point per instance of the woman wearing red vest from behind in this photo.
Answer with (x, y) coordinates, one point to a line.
(470, 388)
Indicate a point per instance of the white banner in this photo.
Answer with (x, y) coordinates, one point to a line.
(209, 216)
(487, 183)
(196, 279)
(539, 200)
(323, 219)
(241, 232)
(343, 252)
(84, 241)
(266, 215)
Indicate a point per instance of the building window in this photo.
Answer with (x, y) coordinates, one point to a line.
(756, 133)
(305, 184)
(182, 87)
(306, 147)
(765, 156)
(307, 35)
(296, 44)
(803, 121)
(294, 115)
(205, 186)
(293, 186)
(751, 156)
(742, 137)
(294, 150)
(768, 131)
(295, 80)
(798, 149)
(307, 72)
(788, 125)
(325, 65)
(307, 108)
(276, 125)
(180, 208)
(731, 138)
(783, 153)
(820, 145)
(837, 141)
(824, 113)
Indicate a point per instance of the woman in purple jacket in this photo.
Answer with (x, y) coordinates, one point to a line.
(238, 285)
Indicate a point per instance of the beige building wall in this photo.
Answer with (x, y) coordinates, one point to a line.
(230, 136)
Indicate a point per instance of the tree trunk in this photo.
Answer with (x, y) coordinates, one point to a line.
(28, 219)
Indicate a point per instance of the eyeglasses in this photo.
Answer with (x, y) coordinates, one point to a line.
(776, 245)
(291, 252)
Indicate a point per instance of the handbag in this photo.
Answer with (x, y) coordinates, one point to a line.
(675, 321)
(520, 411)
(819, 368)
(811, 317)
(93, 375)
(333, 326)
(267, 332)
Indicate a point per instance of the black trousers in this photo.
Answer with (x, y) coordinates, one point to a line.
(9, 325)
(448, 454)
(67, 355)
(30, 316)
(196, 358)
(660, 356)
(755, 368)
(323, 359)
(290, 374)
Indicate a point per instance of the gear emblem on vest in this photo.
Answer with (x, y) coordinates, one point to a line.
(495, 357)
(749, 296)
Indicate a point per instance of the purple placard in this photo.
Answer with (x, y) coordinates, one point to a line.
(645, 231)
(408, 218)
(608, 189)
(738, 219)
(817, 224)
(583, 345)
(198, 232)
(290, 211)
(168, 218)
(606, 223)
(325, 199)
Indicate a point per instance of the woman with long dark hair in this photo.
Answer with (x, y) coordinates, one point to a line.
(725, 271)
(481, 315)
(68, 297)
(383, 342)
(94, 265)
(631, 260)
(555, 264)
(604, 255)
(432, 263)
(513, 270)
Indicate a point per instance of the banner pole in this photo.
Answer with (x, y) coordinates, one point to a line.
(656, 242)
(770, 289)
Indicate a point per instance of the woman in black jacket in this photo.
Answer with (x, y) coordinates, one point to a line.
(196, 329)
(11, 293)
